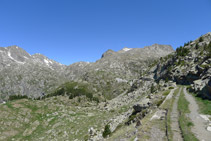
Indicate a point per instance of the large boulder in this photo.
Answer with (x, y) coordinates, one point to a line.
(141, 106)
(198, 85)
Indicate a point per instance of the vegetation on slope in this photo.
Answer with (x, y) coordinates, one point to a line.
(181, 51)
(209, 50)
(74, 89)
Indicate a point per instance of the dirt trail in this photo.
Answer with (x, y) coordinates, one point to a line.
(199, 128)
(177, 136)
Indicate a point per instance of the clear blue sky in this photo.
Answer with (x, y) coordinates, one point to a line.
(69, 31)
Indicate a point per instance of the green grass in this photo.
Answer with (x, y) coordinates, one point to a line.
(43, 110)
(204, 105)
(166, 92)
(9, 105)
(171, 88)
(184, 122)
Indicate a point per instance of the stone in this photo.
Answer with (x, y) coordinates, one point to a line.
(198, 85)
(139, 108)
(92, 131)
(209, 128)
(138, 123)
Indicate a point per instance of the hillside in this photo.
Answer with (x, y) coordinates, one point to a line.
(151, 93)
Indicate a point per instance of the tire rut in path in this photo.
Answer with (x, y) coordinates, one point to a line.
(199, 128)
(177, 136)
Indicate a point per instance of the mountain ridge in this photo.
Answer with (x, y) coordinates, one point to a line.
(17, 59)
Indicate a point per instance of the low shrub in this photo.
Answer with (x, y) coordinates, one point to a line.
(106, 131)
(16, 97)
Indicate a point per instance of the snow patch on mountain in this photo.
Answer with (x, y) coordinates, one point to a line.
(126, 49)
(46, 61)
(9, 55)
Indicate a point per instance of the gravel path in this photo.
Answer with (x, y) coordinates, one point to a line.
(199, 128)
(177, 136)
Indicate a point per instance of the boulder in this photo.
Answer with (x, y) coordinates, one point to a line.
(161, 83)
(209, 128)
(172, 84)
(91, 131)
(138, 123)
(139, 108)
(198, 85)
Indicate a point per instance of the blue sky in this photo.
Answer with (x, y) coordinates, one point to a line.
(69, 31)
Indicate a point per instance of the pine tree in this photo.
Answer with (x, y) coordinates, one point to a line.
(200, 39)
(209, 49)
(107, 131)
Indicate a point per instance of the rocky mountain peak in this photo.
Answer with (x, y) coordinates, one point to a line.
(14, 54)
(108, 53)
(206, 37)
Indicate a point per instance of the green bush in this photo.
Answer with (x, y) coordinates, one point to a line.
(152, 89)
(171, 87)
(79, 99)
(167, 79)
(106, 131)
(96, 99)
(186, 44)
(197, 46)
(169, 68)
(209, 49)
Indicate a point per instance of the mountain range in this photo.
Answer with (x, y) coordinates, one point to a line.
(35, 75)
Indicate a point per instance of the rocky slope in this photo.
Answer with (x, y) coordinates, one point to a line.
(189, 65)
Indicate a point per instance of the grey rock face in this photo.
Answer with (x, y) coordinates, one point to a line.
(25, 74)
